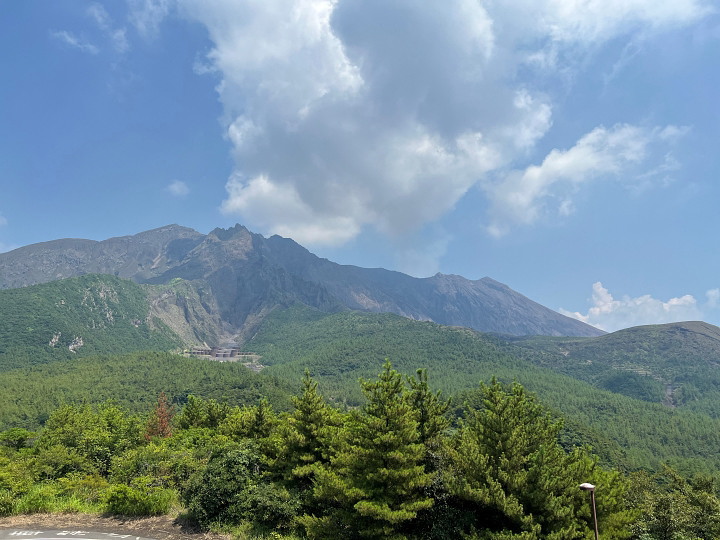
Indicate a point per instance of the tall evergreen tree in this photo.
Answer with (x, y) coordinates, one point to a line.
(509, 464)
(305, 438)
(430, 408)
(376, 480)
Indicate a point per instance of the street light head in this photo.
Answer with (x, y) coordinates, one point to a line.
(587, 487)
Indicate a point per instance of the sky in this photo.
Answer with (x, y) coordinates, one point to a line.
(567, 148)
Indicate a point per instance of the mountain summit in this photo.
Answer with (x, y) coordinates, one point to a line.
(237, 277)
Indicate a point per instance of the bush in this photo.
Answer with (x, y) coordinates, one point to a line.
(88, 488)
(40, 499)
(269, 505)
(7, 502)
(169, 467)
(231, 490)
(138, 501)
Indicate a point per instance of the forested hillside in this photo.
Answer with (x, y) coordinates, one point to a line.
(338, 349)
(133, 381)
(304, 466)
(676, 364)
(94, 314)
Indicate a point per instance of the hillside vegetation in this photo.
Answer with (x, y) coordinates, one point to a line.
(675, 364)
(133, 381)
(93, 314)
(242, 452)
(393, 468)
(339, 349)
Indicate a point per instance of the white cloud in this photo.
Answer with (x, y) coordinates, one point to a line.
(147, 15)
(589, 21)
(521, 197)
(74, 41)
(100, 15)
(117, 36)
(713, 298)
(610, 314)
(178, 188)
(346, 114)
(3, 220)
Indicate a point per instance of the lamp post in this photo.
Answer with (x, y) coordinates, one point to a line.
(589, 487)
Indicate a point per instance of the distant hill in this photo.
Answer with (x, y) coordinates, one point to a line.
(677, 364)
(231, 280)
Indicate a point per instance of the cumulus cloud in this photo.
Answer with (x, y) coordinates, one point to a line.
(521, 197)
(76, 42)
(610, 314)
(345, 114)
(178, 188)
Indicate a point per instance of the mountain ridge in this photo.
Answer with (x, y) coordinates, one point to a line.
(240, 276)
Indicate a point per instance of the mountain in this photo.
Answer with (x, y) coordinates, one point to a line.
(233, 278)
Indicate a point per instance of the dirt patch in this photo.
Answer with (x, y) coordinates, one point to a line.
(161, 527)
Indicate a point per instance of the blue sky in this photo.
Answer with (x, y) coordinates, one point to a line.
(565, 148)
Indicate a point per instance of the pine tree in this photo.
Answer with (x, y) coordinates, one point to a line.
(430, 408)
(439, 520)
(377, 479)
(509, 463)
(305, 438)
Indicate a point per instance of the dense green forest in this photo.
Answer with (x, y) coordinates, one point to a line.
(400, 466)
(675, 364)
(88, 315)
(338, 349)
(133, 381)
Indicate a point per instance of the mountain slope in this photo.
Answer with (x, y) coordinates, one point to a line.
(240, 277)
(76, 317)
(677, 364)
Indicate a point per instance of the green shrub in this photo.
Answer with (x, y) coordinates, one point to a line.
(168, 466)
(270, 505)
(41, 498)
(7, 502)
(231, 490)
(88, 488)
(18, 475)
(212, 495)
(138, 501)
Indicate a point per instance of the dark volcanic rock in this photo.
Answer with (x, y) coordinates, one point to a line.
(248, 275)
